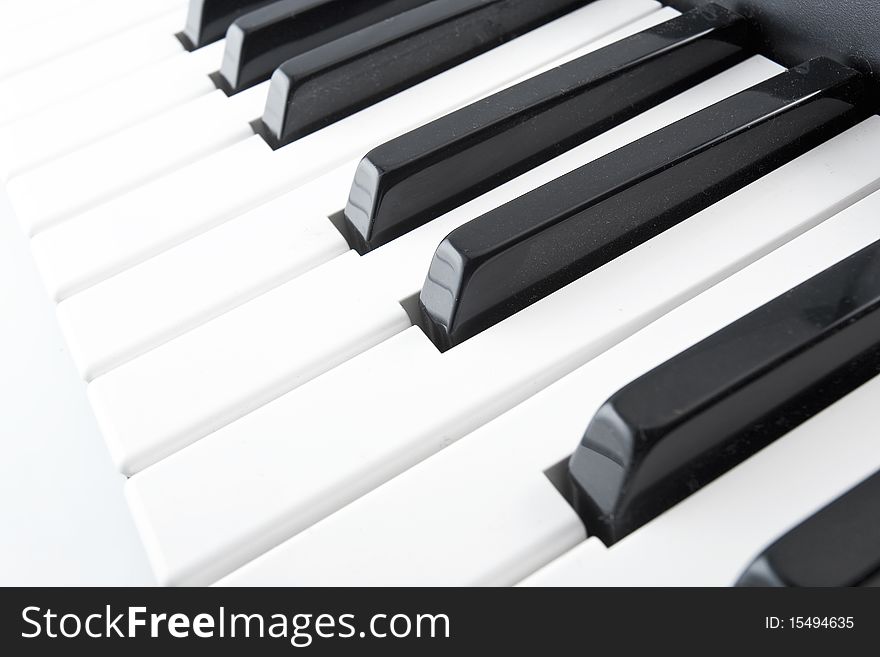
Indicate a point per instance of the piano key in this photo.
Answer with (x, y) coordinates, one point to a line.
(693, 544)
(159, 299)
(418, 176)
(173, 372)
(216, 405)
(41, 42)
(322, 86)
(837, 546)
(439, 523)
(261, 41)
(125, 53)
(91, 175)
(105, 110)
(208, 20)
(477, 276)
(187, 291)
(414, 401)
(168, 211)
(744, 386)
(469, 520)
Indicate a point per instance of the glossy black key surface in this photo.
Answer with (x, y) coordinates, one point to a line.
(505, 260)
(208, 20)
(837, 546)
(433, 169)
(261, 41)
(324, 85)
(684, 423)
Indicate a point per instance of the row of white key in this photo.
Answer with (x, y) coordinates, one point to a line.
(120, 55)
(129, 229)
(483, 512)
(40, 41)
(130, 158)
(244, 358)
(104, 110)
(243, 489)
(167, 295)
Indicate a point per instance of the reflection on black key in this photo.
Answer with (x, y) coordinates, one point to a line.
(872, 581)
(684, 423)
(838, 546)
(324, 85)
(261, 41)
(208, 20)
(433, 169)
(507, 259)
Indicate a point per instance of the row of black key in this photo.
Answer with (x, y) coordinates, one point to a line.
(730, 395)
(327, 59)
(419, 176)
(489, 269)
(208, 20)
(260, 41)
(329, 83)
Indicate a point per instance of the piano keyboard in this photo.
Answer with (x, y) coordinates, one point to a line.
(459, 292)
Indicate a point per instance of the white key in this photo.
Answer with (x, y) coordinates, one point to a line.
(216, 403)
(480, 513)
(104, 110)
(40, 42)
(444, 523)
(170, 375)
(189, 290)
(157, 216)
(159, 299)
(121, 54)
(93, 174)
(307, 454)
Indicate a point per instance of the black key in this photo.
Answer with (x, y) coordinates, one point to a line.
(324, 85)
(261, 41)
(433, 169)
(208, 20)
(838, 546)
(507, 259)
(689, 420)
